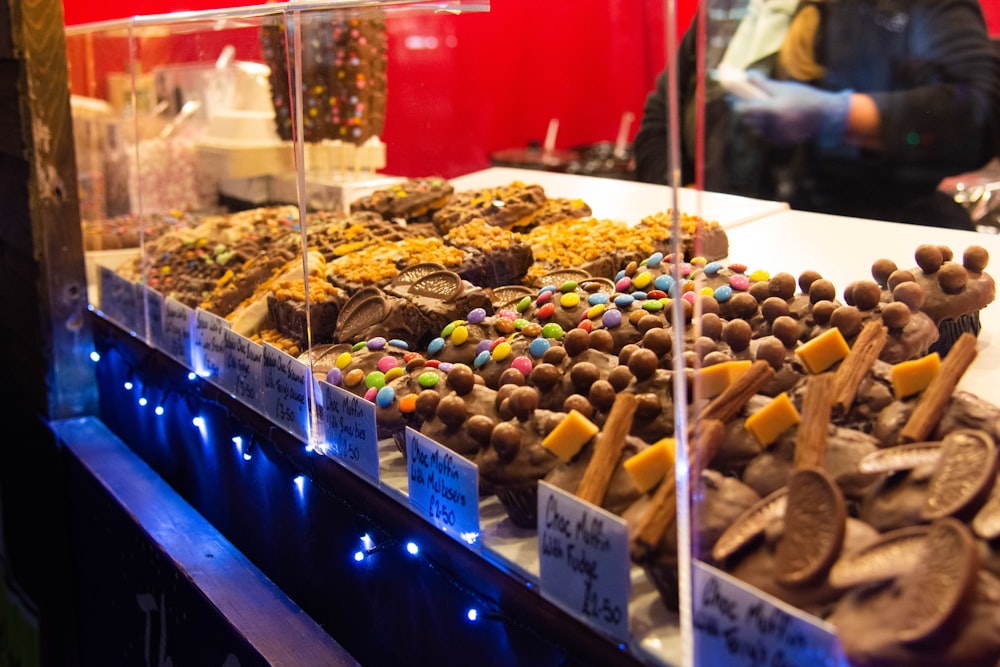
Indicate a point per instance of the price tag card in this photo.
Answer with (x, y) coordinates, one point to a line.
(443, 486)
(285, 390)
(154, 314)
(584, 559)
(178, 320)
(349, 433)
(740, 626)
(242, 369)
(119, 299)
(208, 345)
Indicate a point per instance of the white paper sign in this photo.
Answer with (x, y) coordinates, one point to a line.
(584, 559)
(119, 300)
(208, 345)
(740, 626)
(178, 320)
(154, 317)
(349, 432)
(285, 381)
(443, 486)
(242, 369)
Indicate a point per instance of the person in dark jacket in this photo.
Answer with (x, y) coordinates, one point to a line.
(849, 107)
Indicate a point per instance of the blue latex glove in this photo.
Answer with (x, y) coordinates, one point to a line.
(790, 112)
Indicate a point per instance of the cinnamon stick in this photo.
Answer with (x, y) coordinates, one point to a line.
(661, 514)
(817, 403)
(608, 449)
(932, 402)
(848, 376)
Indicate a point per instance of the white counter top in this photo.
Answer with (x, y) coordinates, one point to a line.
(843, 250)
(626, 200)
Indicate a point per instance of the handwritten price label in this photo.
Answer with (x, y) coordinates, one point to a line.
(242, 369)
(119, 300)
(177, 324)
(285, 381)
(154, 317)
(349, 428)
(739, 626)
(443, 486)
(208, 345)
(584, 559)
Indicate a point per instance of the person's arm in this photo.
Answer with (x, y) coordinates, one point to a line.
(946, 112)
(864, 122)
(650, 143)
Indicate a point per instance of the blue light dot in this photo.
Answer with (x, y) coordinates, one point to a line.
(192, 375)
(472, 614)
(359, 556)
(143, 401)
(412, 548)
(95, 357)
(198, 421)
(128, 385)
(158, 410)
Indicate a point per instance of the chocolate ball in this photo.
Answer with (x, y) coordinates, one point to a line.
(522, 402)
(822, 290)
(929, 257)
(503, 393)
(760, 291)
(711, 326)
(822, 311)
(452, 411)
(910, 293)
(658, 340)
(743, 305)
(787, 330)
(480, 428)
(716, 357)
(576, 341)
(807, 278)
(866, 294)
(848, 320)
(626, 352)
(555, 355)
(643, 363)
(737, 334)
(580, 404)
(462, 379)
(602, 395)
(602, 340)
(946, 254)
(976, 258)
(952, 277)
(773, 351)
(620, 377)
(506, 440)
(511, 376)
(899, 276)
(882, 269)
(545, 376)
(707, 304)
(427, 403)
(773, 308)
(703, 345)
(782, 285)
(896, 315)
(647, 322)
(582, 375)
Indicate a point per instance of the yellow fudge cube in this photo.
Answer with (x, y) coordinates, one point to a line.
(712, 380)
(823, 351)
(912, 377)
(651, 465)
(772, 420)
(571, 434)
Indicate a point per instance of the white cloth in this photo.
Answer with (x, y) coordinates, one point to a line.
(759, 34)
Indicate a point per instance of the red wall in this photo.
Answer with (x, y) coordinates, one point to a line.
(494, 81)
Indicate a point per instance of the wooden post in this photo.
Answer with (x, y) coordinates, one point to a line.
(45, 337)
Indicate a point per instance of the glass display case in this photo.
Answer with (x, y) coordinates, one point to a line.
(332, 320)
